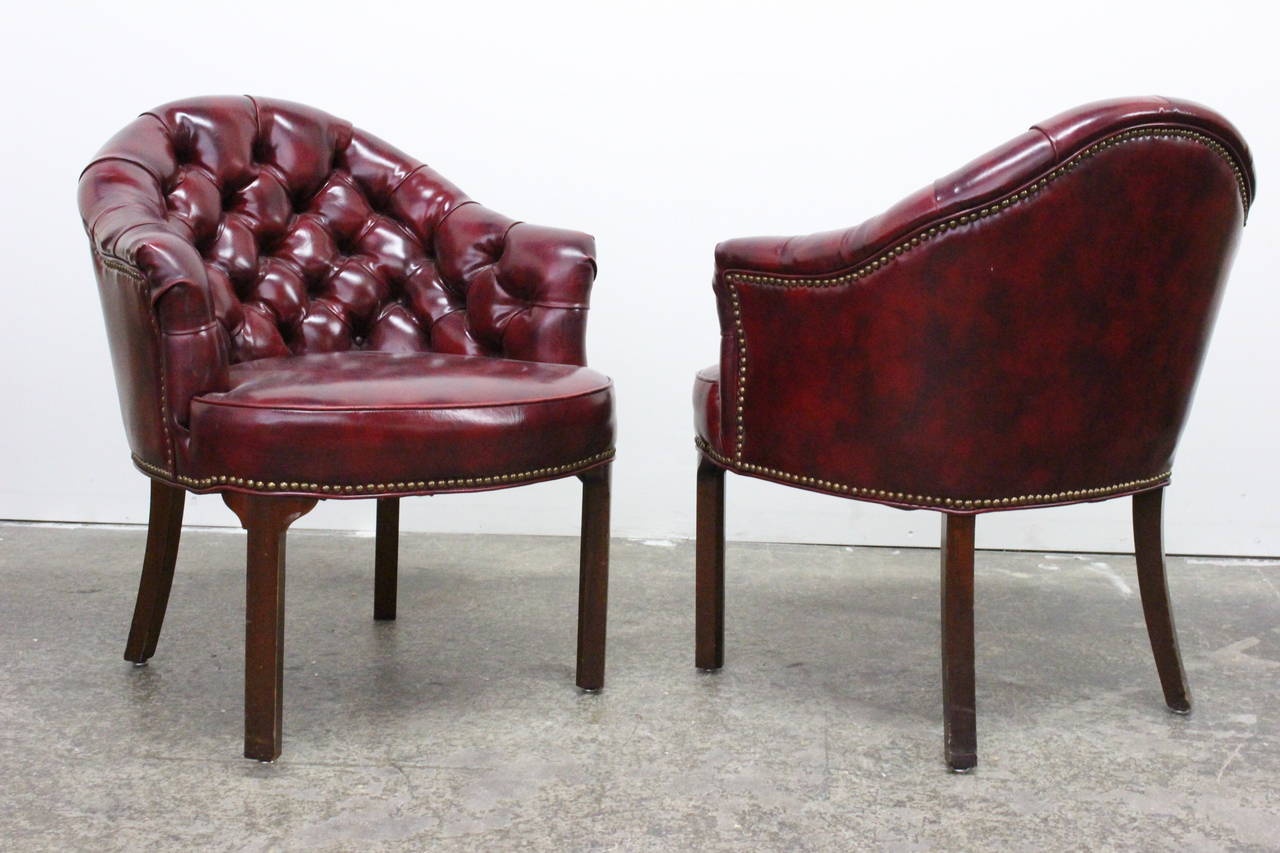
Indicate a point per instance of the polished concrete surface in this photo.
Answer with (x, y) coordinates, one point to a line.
(458, 726)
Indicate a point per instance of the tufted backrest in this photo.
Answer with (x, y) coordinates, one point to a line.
(257, 228)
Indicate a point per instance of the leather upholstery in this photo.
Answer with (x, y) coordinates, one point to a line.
(1026, 331)
(707, 405)
(426, 422)
(237, 231)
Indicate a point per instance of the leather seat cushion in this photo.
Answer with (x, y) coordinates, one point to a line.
(364, 421)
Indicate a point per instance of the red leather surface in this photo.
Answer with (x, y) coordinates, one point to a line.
(1016, 163)
(707, 405)
(1026, 332)
(374, 420)
(134, 339)
(228, 230)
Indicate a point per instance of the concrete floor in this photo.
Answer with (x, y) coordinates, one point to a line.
(458, 727)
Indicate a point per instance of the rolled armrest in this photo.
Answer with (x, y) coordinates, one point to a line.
(527, 286)
(831, 252)
(168, 328)
(990, 176)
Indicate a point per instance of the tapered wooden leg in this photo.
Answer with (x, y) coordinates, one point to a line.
(593, 581)
(266, 519)
(1148, 543)
(709, 606)
(959, 712)
(163, 532)
(386, 559)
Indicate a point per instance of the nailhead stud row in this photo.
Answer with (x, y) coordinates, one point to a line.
(742, 370)
(371, 488)
(121, 266)
(930, 501)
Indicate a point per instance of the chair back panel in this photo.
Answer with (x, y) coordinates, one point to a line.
(1043, 343)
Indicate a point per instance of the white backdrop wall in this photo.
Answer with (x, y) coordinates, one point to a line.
(661, 128)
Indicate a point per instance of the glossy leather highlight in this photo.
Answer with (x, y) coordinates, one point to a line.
(427, 422)
(1027, 331)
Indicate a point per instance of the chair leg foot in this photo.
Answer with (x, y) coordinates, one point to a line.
(164, 529)
(709, 593)
(266, 519)
(593, 582)
(386, 559)
(959, 711)
(1148, 539)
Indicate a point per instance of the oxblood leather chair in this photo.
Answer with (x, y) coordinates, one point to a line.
(1025, 332)
(298, 311)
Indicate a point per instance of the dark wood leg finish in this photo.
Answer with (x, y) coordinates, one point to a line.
(386, 559)
(266, 519)
(593, 583)
(164, 529)
(1148, 540)
(959, 711)
(709, 606)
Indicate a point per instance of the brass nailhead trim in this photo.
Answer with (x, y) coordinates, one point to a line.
(924, 235)
(930, 501)
(121, 266)
(371, 488)
(152, 469)
(741, 348)
(164, 390)
(130, 271)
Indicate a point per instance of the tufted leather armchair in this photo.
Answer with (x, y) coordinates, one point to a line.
(1025, 332)
(298, 311)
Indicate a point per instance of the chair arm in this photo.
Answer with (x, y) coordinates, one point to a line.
(183, 341)
(527, 286)
(830, 252)
(993, 174)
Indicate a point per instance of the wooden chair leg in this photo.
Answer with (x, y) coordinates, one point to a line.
(1148, 543)
(593, 581)
(164, 529)
(386, 559)
(959, 712)
(709, 595)
(266, 519)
